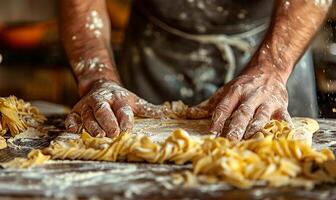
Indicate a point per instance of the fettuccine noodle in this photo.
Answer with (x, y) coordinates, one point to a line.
(273, 156)
(3, 143)
(17, 115)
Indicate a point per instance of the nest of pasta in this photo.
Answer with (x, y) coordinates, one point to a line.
(17, 115)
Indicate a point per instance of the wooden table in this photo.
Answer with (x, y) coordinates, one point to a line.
(104, 180)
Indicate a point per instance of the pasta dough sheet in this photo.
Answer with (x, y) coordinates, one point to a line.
(158, 129)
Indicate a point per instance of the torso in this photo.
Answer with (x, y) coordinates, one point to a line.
(208, 16)
(159, 65)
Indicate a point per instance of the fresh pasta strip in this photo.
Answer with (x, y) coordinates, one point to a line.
(276, 161)
(302, 130)
(34, 158)
(273, 156)
(17, 115)
(3, 143)
(178, 148)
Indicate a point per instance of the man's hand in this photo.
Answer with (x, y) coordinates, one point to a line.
(247, 103)
(243, 106)
(107, 109)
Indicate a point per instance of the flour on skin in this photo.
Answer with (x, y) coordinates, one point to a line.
(94, 23)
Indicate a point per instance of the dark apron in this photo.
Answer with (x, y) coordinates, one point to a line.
(186, 49)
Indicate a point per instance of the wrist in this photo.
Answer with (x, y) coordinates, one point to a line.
(85, 83)
(273, 61)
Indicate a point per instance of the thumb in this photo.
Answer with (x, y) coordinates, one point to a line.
(200, 111)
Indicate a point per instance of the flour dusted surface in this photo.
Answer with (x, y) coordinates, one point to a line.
(125, 180)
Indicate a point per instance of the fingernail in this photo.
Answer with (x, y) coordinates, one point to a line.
(80, 129)
(218, 134)
(69, 126)
(233, 136)
(214, 133)
(113, 132)
(125, 127)
(247, 136)
(100, 135)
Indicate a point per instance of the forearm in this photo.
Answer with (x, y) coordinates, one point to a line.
(294, 24)
(85, 31)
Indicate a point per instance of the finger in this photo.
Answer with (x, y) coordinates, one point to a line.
(283, 114)
(73, 122)
(200, 111)
(223, 111)
(125, 118)
(124, 114)
(242, 117)
(106, 118)
(90, 123)
(239, 121)
(261, 117)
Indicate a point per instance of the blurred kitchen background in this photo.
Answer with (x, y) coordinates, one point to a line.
(34, 66)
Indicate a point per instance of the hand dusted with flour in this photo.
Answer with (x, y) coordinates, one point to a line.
(241, 107)
(107, 109)
(246, 103)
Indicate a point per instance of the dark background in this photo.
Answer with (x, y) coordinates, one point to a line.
(34, 66)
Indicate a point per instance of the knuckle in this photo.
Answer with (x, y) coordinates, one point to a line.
(262, 90)
(93, 129)
(100, 107)
(263, 113)
(235, 88)
(127, 110)
(94, 98)
(263, 107)
(216, 116)
(246, 109)
(255, 126)
(86, 109)
(224, 108)
(218, 124)
(85, 113)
